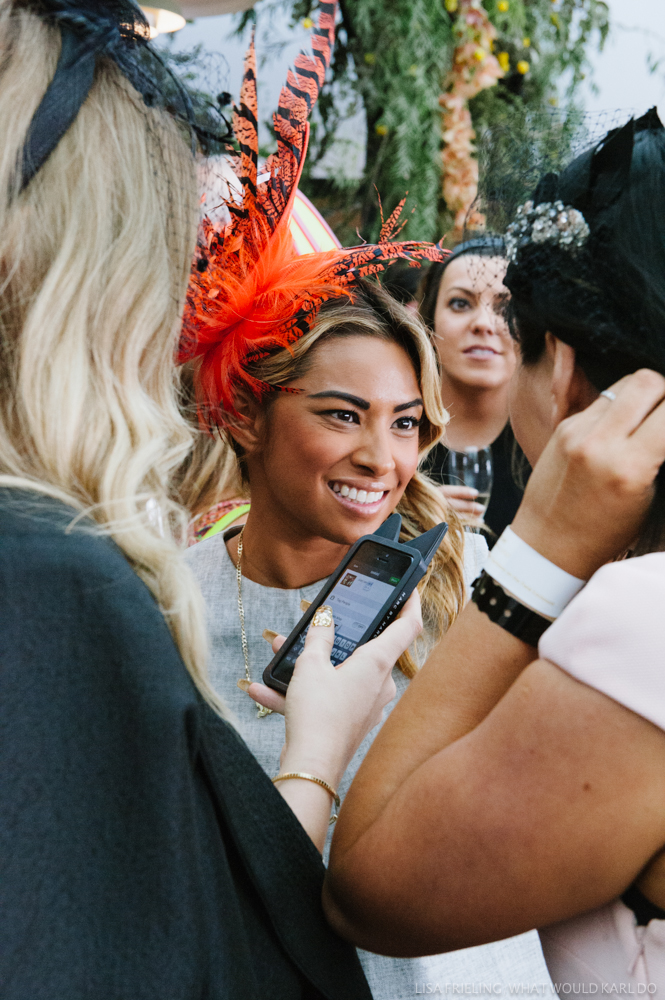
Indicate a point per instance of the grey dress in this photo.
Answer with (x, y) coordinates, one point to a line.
(492, 967)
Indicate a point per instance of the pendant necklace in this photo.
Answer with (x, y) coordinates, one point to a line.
(261, 711)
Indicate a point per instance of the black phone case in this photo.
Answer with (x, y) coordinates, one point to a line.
(421, 551)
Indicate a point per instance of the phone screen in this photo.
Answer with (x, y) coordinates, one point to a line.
(367, 583)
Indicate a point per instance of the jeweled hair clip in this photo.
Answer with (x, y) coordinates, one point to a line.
(548, 222)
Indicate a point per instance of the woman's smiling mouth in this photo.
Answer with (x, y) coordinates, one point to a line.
(481, 352)
(354, 498)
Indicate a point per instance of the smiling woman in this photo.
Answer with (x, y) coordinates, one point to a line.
(328, 394)
(331, 458)
(325, 463)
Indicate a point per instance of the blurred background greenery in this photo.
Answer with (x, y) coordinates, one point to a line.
(393, 57)
(379, 128)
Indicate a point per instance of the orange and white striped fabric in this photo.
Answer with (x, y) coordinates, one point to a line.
(310, 231)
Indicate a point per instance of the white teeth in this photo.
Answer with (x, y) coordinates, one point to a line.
(360, 496)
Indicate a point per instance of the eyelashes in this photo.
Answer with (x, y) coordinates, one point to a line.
(351, 417)
(412, 422)
(341, 414)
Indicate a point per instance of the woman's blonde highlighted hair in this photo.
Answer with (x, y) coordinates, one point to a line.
(94, 261)
(371, 313)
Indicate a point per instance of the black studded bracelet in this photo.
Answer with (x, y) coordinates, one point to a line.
(505, 611)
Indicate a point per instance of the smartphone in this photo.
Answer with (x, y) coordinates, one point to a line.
(366, 593)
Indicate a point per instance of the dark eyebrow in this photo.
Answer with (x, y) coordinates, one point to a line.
(355, 400)
(407, 406)
(461, 288)
(361, 403)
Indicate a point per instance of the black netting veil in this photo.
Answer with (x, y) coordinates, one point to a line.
(115, 29)
(605, 296)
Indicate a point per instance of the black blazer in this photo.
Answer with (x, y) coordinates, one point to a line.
(144, 854)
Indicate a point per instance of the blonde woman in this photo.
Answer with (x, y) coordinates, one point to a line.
(325, 464)
(144, 851)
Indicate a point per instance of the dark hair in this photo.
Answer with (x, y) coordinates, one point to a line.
(487, 245)
(402, 282)
(607, 298)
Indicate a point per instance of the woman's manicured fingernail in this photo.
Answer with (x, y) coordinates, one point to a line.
(243, 684)
(323, 617)
(269, 635)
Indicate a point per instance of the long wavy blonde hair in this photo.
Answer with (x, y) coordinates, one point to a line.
(94, 262)
(372, 313)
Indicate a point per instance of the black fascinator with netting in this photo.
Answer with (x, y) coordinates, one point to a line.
(587, 255)
(118, 30)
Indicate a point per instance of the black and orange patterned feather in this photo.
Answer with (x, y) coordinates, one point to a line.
(250, 293)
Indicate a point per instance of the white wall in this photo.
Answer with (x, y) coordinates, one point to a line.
(620, 71)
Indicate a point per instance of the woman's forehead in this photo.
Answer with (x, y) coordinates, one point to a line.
(378, 367)
(476, 272)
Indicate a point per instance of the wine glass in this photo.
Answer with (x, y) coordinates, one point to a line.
(471, 467)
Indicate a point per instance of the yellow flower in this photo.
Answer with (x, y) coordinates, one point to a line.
(554, 18)
(503, 6)
(413, 70)
(553, 101)
(370, 58)
(526, 42)
(504, 61)
(479, 54)
(381, 130)
(523, 67)
(307, 22)
(451, 6)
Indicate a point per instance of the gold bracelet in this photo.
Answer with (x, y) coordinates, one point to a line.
(317, 781)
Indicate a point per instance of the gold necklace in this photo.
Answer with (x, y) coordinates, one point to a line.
(261, 711)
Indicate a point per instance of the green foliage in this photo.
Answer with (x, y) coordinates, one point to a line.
(393, 56)
(520, 131)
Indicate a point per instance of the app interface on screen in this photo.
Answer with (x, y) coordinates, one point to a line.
(365, 586)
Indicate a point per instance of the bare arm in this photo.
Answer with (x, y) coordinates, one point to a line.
(548, 808)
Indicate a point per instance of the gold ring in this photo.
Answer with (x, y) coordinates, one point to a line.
(323, 617)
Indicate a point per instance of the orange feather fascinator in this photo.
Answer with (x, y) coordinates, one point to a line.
(250, 293)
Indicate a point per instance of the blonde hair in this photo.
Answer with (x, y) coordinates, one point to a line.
(374, 313)
(210, 473)
(94, 262)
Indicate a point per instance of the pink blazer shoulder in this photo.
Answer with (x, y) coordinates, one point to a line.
(612, 635)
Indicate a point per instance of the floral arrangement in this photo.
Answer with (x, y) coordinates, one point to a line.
(474, 68)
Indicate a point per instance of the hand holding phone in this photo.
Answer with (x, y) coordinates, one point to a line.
(366, 593)
(330, 710)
